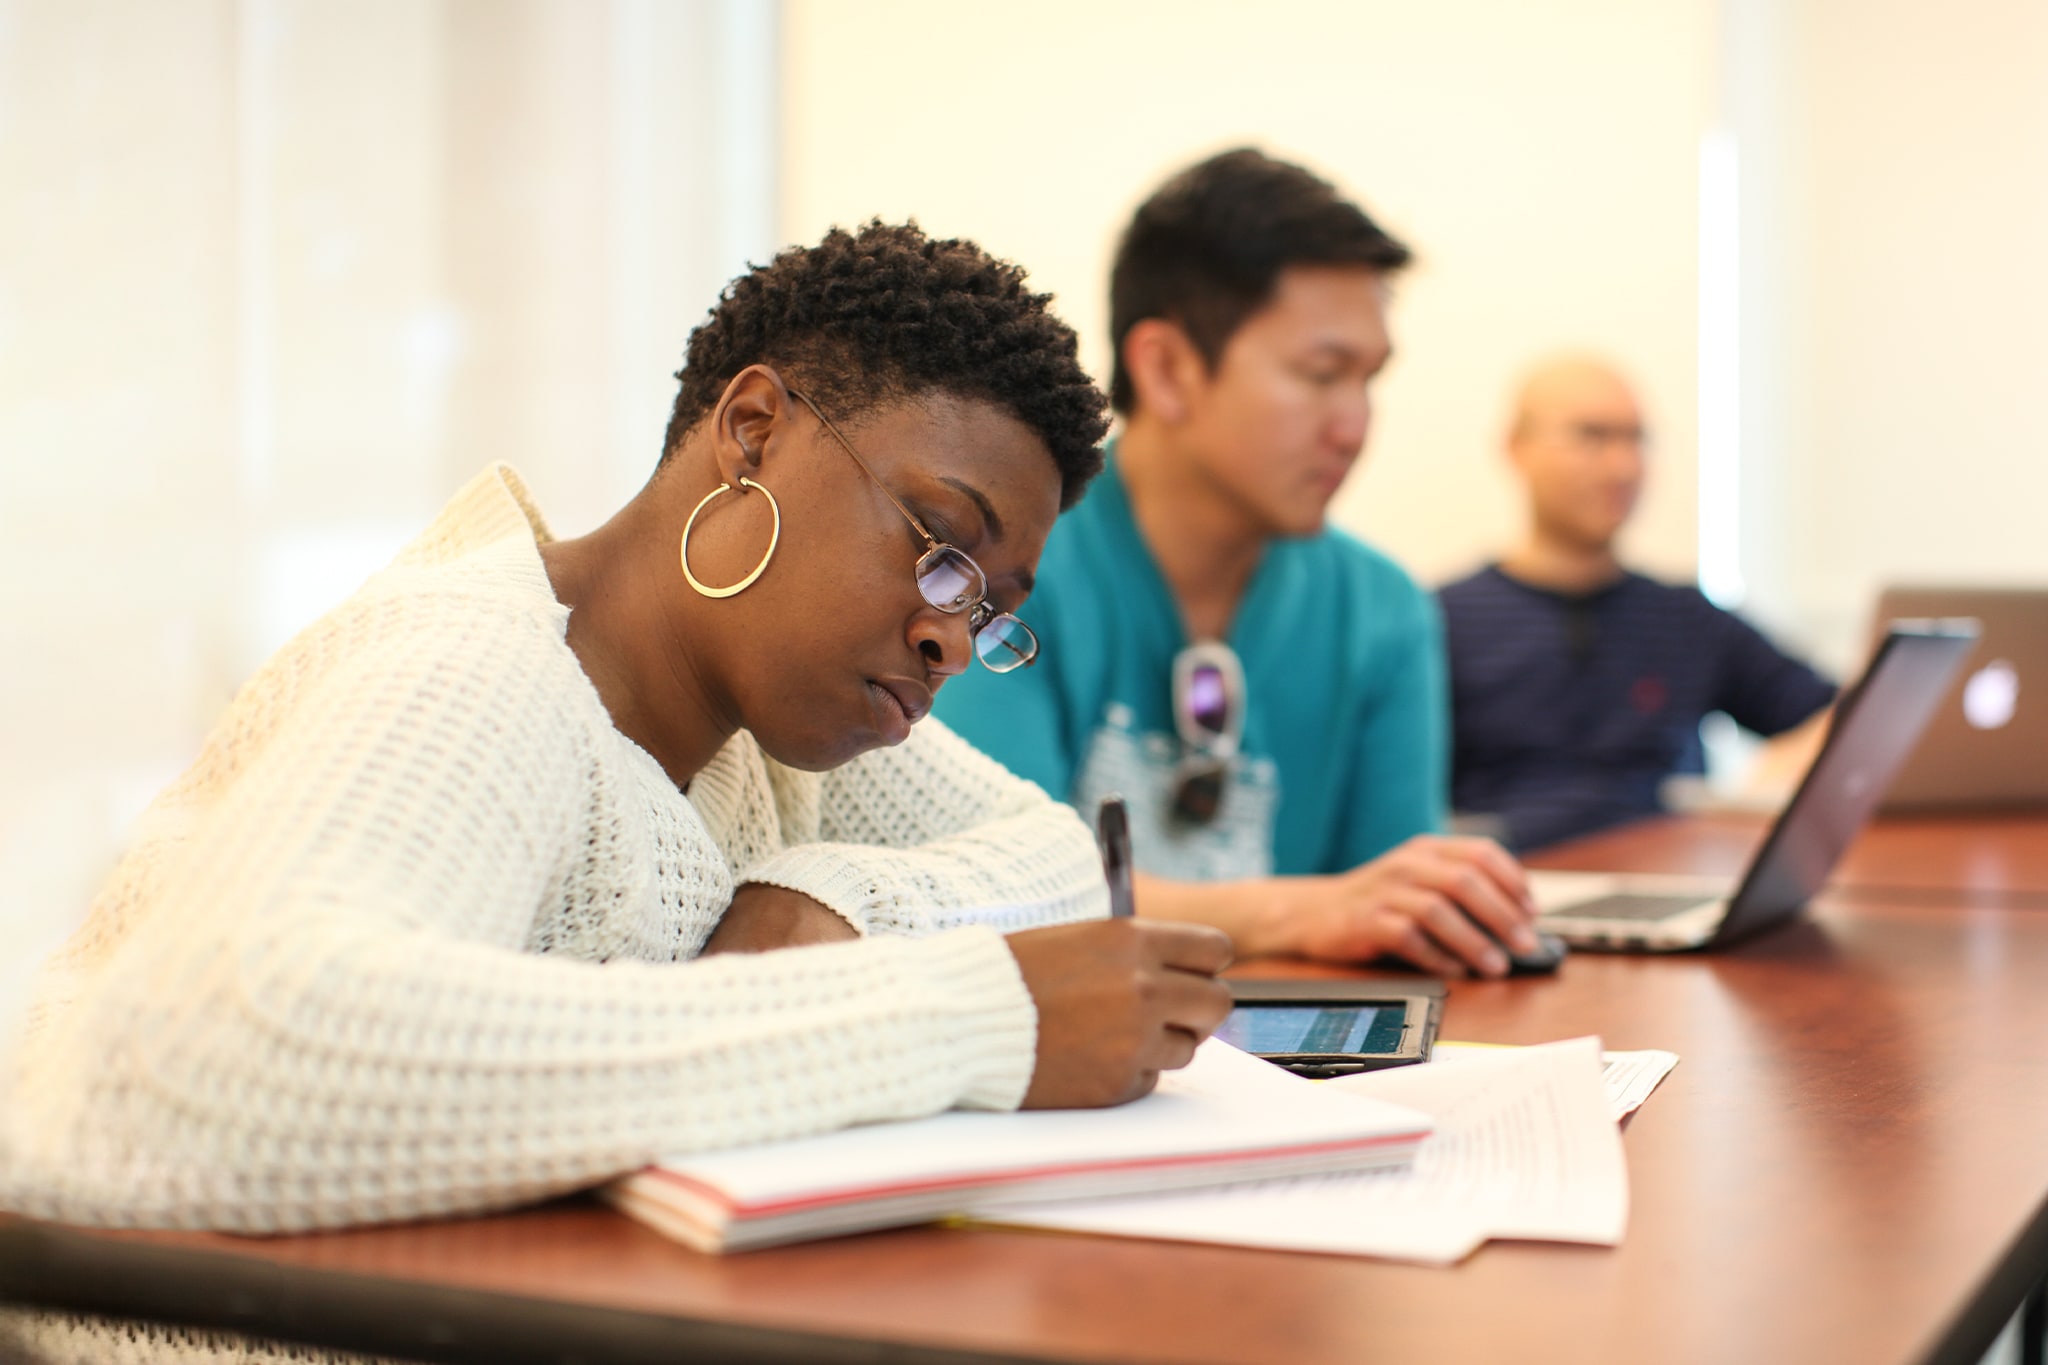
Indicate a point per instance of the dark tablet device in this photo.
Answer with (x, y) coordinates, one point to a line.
(1334, 1028)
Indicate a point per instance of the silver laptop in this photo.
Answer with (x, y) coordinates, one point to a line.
(1876, 723)
(1988, 742)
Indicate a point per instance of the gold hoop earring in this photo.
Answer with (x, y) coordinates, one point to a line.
(774, 538)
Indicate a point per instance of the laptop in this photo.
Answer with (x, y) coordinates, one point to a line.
(1988, 742)
(1876, 722)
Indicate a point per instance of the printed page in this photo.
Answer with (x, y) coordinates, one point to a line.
(1524, 1147)
(1629, 1076)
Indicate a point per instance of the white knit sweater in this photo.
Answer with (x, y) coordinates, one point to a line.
(412, 936)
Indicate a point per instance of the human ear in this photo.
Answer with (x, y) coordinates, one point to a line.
(747, 414)
(1165, 369)
(1515, 443)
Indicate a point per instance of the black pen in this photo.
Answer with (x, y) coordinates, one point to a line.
(1113, 833)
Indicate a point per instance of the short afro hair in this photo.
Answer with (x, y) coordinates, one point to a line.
(886, 314)
(1206, 250)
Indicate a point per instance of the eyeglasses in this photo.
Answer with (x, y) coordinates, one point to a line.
(1208, 711)
(1594, 435)
(949, 580)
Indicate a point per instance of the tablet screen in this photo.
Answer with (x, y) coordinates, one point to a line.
(1367, 1028)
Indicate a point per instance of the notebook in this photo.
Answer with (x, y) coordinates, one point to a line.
(1226, 1117)
(1988, 742)
(1876, 723)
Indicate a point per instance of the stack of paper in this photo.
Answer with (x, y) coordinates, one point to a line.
(1226, 1117)
(1629, 1076)
(1524, 1147)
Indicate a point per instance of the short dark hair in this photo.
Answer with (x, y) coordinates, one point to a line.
(886, 313)
(1207, 249)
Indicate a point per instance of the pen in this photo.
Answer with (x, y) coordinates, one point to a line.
(1113, 832)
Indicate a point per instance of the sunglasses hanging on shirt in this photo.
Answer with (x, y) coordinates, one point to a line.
(1208, 711)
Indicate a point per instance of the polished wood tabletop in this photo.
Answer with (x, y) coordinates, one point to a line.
(1849, 1163)
(1992, 859)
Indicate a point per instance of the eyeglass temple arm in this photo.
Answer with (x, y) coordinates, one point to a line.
(826, 422)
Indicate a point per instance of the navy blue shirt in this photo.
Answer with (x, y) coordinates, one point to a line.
(1567, 713)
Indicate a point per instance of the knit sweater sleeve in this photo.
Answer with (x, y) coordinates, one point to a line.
(934, 834)
(323, 1014)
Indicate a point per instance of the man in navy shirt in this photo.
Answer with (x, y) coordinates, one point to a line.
(1577, 686)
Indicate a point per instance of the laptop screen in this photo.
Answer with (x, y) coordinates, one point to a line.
(1876, 724)
(1988, 742)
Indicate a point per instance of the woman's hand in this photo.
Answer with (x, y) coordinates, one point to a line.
(762, 918)
(1119, 1001)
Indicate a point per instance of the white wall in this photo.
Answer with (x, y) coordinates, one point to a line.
(275, 277)
(276, 274)
(1896, 362)
(1541, 159)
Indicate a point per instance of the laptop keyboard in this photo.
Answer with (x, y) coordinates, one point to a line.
(1623, 905)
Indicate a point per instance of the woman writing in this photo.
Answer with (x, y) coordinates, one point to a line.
(423, 929)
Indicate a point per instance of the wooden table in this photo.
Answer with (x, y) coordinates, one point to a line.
(1992, 859)
(1850, 1163)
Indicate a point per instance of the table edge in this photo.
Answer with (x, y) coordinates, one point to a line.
(46, 1265)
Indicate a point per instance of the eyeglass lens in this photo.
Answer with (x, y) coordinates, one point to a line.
(949, 580)
(1004, 643)
(952, 582)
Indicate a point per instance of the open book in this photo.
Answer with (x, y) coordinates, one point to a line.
(1226, 1117)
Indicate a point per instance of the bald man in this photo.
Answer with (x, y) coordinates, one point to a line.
(1578, 686)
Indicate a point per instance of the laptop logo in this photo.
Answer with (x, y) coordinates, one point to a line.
(1991, 695)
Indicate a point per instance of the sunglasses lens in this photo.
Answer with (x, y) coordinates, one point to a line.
(949, 580)
(1208, 699)
(1208, 694)
(1199, 794)
(1005, 643)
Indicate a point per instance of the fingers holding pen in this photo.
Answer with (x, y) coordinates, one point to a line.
(1118, 1002)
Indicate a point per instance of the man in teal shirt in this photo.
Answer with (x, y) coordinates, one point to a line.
(1286, 773)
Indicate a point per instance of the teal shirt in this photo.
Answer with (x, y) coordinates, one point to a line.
(1345, 749)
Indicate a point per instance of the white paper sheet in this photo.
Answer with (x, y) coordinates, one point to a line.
(1629, 1076)
(1524, 1147)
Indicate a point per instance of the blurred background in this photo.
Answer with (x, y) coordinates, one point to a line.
(276, 276)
